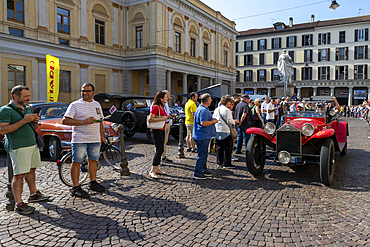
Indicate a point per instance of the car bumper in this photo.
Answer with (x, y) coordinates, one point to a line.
(294, 158)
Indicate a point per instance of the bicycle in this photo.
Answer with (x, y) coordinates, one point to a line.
(109, 154)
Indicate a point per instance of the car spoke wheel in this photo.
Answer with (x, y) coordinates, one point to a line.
(112, 157)
(54, 148)
(255, 155)
(129, 121)
(327, 162)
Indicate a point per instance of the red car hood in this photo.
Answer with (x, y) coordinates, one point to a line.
(299, 122)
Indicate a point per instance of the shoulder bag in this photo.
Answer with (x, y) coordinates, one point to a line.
(254, 114)
(233, 132)
(39, 141)
(155, 125)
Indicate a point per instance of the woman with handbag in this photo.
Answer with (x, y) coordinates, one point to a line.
(225, 132)
(157, 122)
(257, 115)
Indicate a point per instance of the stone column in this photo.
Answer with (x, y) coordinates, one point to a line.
(115, 24)
(212, 44)
(350, 95)
(298, 92)
(169, 82)
(170, 33)
(211, 81)
(199, 83)
(314, 91)
(332, 91)
(127, 82)
(157, 79)
(83, 20)
(186, 34)
(42, 15)
(116, 80)
(200, 40)
(254, 90)
(269, 92)
(127, 30)
(141, 83)
(184, 83)
(42, 79)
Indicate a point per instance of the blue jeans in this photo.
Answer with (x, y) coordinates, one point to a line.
(242, 136)
(263, 115)
(200, 166)
(79, 150)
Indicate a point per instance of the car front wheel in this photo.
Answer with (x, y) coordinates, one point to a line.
(55, 149)
(256, 155)
(327, 162)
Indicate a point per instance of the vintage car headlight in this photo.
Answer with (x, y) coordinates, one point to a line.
(115, 127)
(284, 157)
(270, 128)
(307, 129)
(332, 113)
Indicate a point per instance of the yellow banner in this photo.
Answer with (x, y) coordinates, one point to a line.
(52, 74)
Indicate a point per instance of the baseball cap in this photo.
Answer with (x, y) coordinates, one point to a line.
(320, 105)
(245, 96)
(300, 105)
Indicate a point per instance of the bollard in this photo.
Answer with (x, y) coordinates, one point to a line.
(9, 194)
(181, 154)
(124, 169)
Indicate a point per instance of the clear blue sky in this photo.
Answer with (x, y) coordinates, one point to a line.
(233, 9)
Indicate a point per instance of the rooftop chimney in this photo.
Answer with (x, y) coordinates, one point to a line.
(312, 18)
(290, 21)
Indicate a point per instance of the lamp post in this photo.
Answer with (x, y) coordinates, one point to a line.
(180, 153)
(124, 169)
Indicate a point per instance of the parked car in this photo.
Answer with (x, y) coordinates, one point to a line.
(132, 112)
(305, 137)
(56, 136)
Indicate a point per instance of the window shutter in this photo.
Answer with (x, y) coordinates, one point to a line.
(295, 41)
(336, 54)
(251, 56)
(302, 74)
(328, 55)
(336, 72)
(265, 44)
(319, 74)
(365, 72)
(295, 73)
(258, 44)
(346, 72)
(305, 55)
(251, 74)
(258, 75)
(272, 43)
(328, 38)
(366, 34)
(287, 42)
(311, 39)
(264, 75)
(366, 51)
(355, 52)
(356, 35)
(302, 40)
(279, 42)
(346, 58)
(245, 45)
(328, 72)
(355, 73)
(311, 55)
(319, 58)
(245, 60)
(319, 39)
(310, 70)
(272, 74)
(252, 45)
(245, 75)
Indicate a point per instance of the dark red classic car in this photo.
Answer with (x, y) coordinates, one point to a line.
(56, 136)
(305, 137)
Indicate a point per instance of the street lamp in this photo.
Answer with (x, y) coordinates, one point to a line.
(334, 5)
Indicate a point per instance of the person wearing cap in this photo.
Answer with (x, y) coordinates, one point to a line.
(293, 107)
(300, 107)
(244, 115)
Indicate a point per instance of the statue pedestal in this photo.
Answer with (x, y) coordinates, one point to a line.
(280, 89)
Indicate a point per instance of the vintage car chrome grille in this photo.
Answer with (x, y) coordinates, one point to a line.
(288, 138)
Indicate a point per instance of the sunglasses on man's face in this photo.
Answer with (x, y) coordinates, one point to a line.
(86, 91)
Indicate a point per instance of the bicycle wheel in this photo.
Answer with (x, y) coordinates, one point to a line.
(112, 157)
(65, 173)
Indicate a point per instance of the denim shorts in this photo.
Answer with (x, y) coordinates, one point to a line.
(80, 149)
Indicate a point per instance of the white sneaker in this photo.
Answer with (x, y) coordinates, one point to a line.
(234, 158)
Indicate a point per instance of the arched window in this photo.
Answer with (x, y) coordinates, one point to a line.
(193, 34)
(101, 17)
(206, 45)
(178, 33)
(225, 53)
(139, 29)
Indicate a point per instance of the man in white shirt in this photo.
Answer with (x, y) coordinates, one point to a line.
(264, 108)
(270, 112)
(292, 107)
(87, 135)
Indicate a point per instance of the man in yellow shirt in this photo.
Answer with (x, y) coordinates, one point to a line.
(190, 108)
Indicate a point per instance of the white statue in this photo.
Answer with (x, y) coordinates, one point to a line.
(285, 64)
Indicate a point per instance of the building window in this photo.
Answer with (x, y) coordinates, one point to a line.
(63, 20)
(308, 55)
(361, 52)
(323, 73)
(139, 37)
(262, 44)
(205, 51)
(63, 42)
(276, 57)
(248, 60)
(16, 76)
(342, 36)
(324, 55)
(324, 38)
(248, 45)
(276, 43)
(248, 76)
(178, 42)
(306, 73)
(262, 58)
(360, 71)
(342, 53)
(225, 58)
(293, 74)
(15, 10)
(291, 41)
(192, 47)
(15, 32)
(65, 81)
(261, 75)
(291, 54)
(99, 32)
(341, 72)
(306, 39)
(362, 34)
(275, 75)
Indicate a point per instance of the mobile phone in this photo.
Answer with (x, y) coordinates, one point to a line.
(37, 110)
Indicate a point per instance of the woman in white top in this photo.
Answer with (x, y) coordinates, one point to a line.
(223, 137)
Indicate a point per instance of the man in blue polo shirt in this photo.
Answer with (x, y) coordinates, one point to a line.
(203, 130)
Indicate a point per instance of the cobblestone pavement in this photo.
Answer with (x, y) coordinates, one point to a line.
(287, 206)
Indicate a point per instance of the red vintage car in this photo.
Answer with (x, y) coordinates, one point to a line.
(57, 137)
(305, 137)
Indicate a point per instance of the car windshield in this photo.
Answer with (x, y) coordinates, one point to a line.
(305, 114)
(48, 112)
